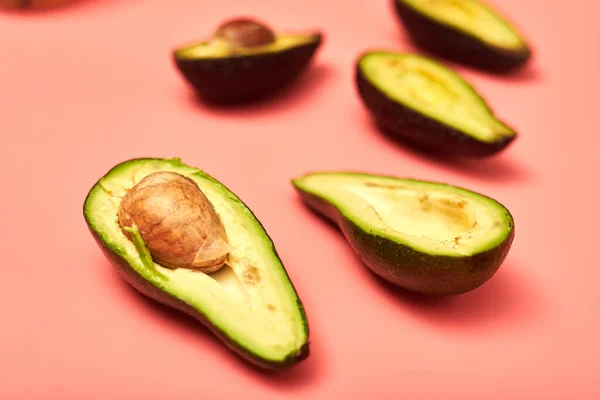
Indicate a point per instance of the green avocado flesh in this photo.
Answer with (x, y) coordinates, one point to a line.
(250, 301)
(472, 17)
(427, 237)
(433, 90)
(430, 217)
(218, 48)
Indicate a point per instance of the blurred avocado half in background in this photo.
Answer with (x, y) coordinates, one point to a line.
(33, 4)
(469, 32)
(245, 60)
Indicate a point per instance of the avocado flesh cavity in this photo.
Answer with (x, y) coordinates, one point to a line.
(249, 303)
(432, 218)
(428, 237)
(433, 222)
(218, 48)
(422, 100)
(472, 17)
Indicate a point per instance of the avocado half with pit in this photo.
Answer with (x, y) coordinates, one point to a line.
(426, 237)
(245, 61)
(420, 101)
(470, 32)
(249, 303)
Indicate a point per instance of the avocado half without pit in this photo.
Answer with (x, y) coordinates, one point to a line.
(245, 60)
(426, 237)
(422, 102)
(180, 237)
(470, 32)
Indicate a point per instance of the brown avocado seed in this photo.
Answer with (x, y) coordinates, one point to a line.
(177, 222)
(244, 32)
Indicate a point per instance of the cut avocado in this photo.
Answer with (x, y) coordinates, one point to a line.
(244, 66)
(426, 237)
(250, 303)
(465, 31)
(423, 102)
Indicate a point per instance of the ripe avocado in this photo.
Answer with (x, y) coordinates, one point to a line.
(426, 237)
(465, 31)
(250, 303)
(245, 60)
(423, 102)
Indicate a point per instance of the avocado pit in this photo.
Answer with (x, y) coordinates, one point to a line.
(244, 32)
(177, 222)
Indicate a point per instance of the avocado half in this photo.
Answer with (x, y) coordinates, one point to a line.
(426, 237)
(250, 304)
(223, 75)
(421, 101)
(470, 32)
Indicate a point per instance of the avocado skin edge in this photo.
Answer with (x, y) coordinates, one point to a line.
(411, 270)
(446, 42)
(239, 79)
(413, 127)
(146, 288)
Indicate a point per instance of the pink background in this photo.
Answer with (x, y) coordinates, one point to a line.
(86, 87)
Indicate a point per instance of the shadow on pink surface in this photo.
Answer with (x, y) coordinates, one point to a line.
(507, 301)
(530, 73)
(498, 167)
(299, 92)
(292, 379)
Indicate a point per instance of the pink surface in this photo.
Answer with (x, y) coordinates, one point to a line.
(87, 87)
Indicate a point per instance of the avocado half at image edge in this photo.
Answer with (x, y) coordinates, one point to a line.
(222, 75)
(424, 103)
(469, 32)
(426, 237)
(33, 4)
(250, 303)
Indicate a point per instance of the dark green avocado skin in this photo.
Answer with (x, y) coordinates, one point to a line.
(411, 270)
(232, 80)
(146, 288)
(448, 43)
(415, 128)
